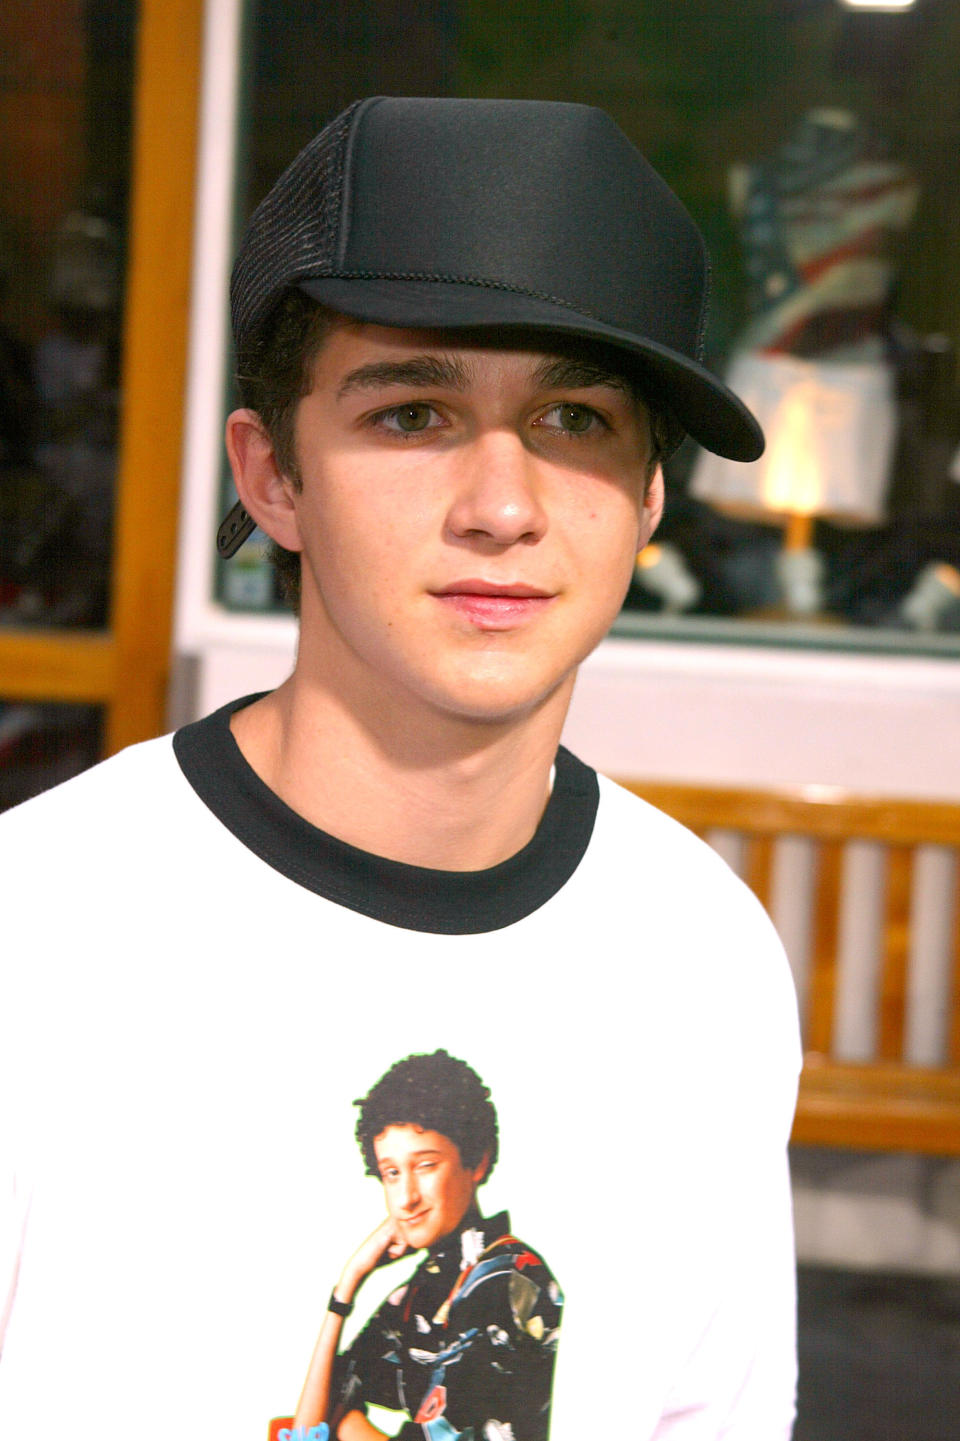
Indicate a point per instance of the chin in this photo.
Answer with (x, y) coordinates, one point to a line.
(498, 699)
(419, 1238)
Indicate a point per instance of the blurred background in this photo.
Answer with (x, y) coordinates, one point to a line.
(796, 624)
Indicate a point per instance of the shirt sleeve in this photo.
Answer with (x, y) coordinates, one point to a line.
(739, 1383)
(739, 1379)
(13, 1221)
(370, 1371)
(15, 1169)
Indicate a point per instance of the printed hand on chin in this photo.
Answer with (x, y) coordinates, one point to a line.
(396, 1246)
(382, 1246)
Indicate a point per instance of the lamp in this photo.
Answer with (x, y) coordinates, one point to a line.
(830, 431)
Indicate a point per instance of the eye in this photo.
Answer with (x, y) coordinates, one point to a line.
(572, 419)
(409, 419)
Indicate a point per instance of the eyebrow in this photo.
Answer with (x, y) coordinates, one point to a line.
(554, 372)
(419, 370)
(389, 1161)
(579, 374)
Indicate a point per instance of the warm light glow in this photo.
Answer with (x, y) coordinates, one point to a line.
(793, 479)
(649, 557)
(878, 4)
(949, 577)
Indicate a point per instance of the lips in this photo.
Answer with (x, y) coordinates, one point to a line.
(494, 605)
(516, 589)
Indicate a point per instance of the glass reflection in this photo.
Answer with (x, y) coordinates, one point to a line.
(815, 146)
(42, 745)
(65, 90)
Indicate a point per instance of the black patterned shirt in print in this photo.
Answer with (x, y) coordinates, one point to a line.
(466, 1347)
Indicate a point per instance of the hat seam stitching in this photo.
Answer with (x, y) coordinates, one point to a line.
(345, 176)
(704, 303)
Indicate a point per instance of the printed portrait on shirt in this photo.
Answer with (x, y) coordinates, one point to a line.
(464, 1348)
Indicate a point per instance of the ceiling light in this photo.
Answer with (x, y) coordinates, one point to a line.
(878, 4)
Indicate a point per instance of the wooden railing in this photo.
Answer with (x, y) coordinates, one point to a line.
(866, 895)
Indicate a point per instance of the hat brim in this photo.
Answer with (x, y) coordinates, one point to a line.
(700, 403)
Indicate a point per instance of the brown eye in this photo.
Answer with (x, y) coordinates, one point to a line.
(412, 417)
(576, 418)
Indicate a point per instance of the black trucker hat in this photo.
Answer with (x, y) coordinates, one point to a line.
(450, 213)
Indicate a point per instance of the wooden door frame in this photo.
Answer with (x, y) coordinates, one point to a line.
(125, 668)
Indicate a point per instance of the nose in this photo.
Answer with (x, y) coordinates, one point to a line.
(497, 497)
(409, 1192)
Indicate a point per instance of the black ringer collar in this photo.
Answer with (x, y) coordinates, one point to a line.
(415, 898)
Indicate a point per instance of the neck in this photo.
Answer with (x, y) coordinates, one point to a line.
(434, 791)
(470, 1218)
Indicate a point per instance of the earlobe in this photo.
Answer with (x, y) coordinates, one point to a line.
(265, 492)
(653, 502)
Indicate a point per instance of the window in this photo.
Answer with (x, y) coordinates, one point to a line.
(816, 145)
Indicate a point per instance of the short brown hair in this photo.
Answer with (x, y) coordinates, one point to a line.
(435, 1092)
(274, 370)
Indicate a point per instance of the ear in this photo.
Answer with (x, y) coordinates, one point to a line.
(479, 1172)
(652, 507)
(266, 493)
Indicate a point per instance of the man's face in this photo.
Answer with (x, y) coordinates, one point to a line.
(428, 1189)
(469, 518)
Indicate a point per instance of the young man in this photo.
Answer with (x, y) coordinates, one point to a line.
(466, 330)
(467, 1345)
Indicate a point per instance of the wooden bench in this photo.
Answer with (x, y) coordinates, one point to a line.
(866, 895)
